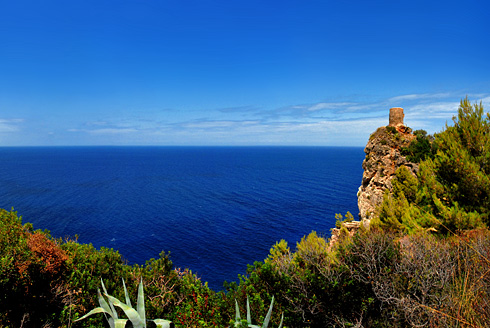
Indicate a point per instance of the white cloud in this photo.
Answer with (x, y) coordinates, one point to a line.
(325, 105)
(208, 124)
(97, 123)
(486, 103)
(217, 124)
(10, 125)
(433, 110)
(113, 131)
(322, 123)
(418, 96)
(105, 131)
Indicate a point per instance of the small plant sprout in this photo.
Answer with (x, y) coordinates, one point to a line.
(238, 319)
(136, 316)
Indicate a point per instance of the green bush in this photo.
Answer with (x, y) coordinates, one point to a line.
(391, 129)
(421, 148)
(32, 269)
(86, 266)
(200, 306)
(339, 219)
(452, 189)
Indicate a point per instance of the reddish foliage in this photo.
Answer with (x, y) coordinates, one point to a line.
(48, 252)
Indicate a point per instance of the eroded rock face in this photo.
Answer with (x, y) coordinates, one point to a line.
(383, 157)
(351, 228)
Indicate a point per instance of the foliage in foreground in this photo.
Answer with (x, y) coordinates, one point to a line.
(379, 279)
(374, 279)
(46, 281)
(248, 322)
(137, 316)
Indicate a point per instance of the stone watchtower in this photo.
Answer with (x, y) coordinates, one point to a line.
(396, 116)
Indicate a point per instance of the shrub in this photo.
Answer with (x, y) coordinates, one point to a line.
(391, 129)
(32, 267)
(339, 219)
(86, 266)
(421, 148)
(201, 307)
(137, 316)
(162, 283)
(452, 189)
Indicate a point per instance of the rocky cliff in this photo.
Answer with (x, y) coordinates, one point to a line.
(383, 157)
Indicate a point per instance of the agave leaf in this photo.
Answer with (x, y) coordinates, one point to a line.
(103, 304)
(249, 318)
(94, 311)
(120, 323)
(282, 319)
(131, 313)
(128, 301)
(237, 309)
(161, 323)
(141, 301)
(111, 322)
(269, 313)
(113, 309)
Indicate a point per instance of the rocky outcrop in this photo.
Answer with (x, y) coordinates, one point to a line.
(350, 228)
(383, 157)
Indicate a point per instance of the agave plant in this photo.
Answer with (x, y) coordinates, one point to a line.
(238, 319)
(136, 316)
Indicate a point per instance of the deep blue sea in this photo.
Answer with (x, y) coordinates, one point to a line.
(216, 209)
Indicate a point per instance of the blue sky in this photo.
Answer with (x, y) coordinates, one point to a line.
(177, 72)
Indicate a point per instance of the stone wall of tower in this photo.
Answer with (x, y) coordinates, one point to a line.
(396, 116)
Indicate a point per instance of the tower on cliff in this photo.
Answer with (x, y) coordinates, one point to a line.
(396, 116)
(383, 158)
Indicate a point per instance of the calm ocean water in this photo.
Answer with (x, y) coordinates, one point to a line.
(216, 209)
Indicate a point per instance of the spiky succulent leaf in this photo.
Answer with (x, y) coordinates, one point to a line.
(282, 319)
(141, 301)
(128, 301)
(237, 309)
(120, 323)
(131, 313)
(161, 323)
(113, 309)
(111, 321)
(94, 311)
(249, 317)
(103, 304)
(268, 316)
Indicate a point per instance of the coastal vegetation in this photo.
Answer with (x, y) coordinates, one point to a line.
(452, 189)
(424, 261)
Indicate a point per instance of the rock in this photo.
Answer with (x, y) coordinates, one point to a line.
(383, 157)
(352, 227)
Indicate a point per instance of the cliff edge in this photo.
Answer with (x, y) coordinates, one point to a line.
(383, 157)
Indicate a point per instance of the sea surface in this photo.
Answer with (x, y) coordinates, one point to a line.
(216, 209)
